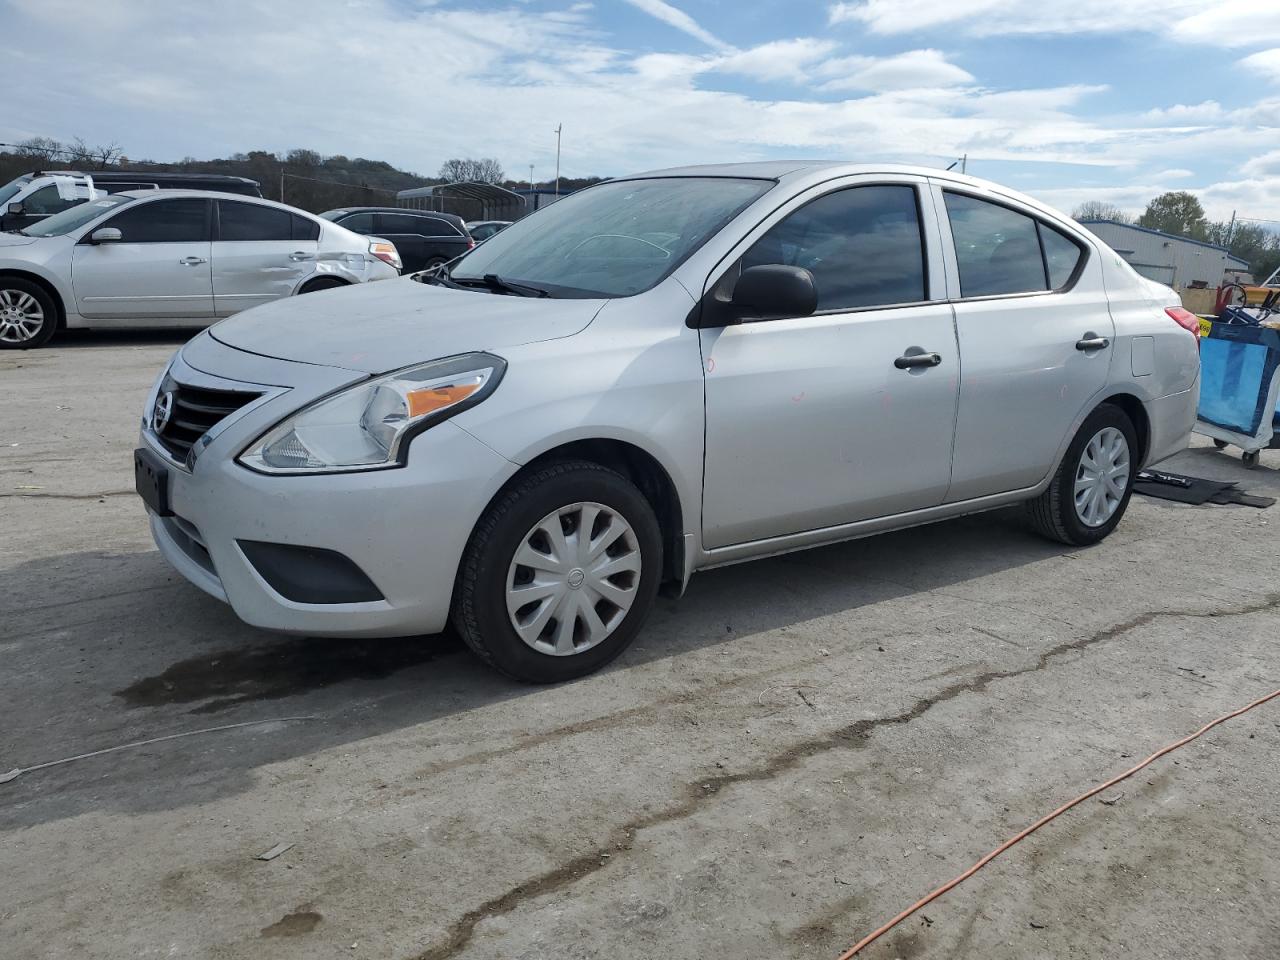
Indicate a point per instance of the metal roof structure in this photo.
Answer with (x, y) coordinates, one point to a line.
(471, 201)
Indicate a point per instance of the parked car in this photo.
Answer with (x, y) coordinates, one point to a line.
(654, 376)
(482, 230)
(171, 258)
(424, 238)
(28, 199)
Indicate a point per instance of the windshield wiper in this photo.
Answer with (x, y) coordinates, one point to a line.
(498, 285)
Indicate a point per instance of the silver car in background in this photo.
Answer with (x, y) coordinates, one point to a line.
(171, 258)
(653, 376)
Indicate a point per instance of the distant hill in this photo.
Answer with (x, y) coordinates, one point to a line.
(310, 181)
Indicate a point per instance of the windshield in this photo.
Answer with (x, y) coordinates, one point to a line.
(10, 190)
(612, 240)
(73, 217)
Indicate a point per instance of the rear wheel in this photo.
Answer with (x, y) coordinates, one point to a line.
(322, 283)
(1090, 492)
(28, 317)
(560, 573)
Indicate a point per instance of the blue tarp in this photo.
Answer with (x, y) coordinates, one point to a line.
(1238, 365)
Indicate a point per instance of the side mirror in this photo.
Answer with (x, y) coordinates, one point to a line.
(774, 291)
(106, 235)
(16, 209)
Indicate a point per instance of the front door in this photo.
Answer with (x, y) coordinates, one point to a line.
(817, 421)
(158, 269)
(1035, 330)
(261, 253)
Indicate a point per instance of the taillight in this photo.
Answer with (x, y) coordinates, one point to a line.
(386, 252)
(471, 243)
(1185, 319)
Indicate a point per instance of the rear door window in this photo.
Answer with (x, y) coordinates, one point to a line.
(252, 221)
(997, 249)
(305, 228)
(359, 222)
(184, 220)
(1061, 256)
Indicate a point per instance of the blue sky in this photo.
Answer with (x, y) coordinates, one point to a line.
(1096, 99)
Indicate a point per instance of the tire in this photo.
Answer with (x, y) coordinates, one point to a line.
(514, 523)
(1220, 444)
(323, 283)
(28, 315)
(1055, 514)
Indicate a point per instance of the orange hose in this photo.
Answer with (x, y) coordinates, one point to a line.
(934, 895)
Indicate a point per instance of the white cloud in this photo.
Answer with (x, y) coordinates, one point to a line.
(915, 68)
(1266, 164)
(677, 18)
(1265, 62)
(1230, 23)
(778, 60)
(1208, 111)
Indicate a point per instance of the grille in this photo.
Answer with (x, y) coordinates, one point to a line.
(194, 413)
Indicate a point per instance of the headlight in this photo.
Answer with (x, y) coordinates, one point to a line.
(368, 426)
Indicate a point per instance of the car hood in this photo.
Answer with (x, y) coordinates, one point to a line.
(389, 324)
(16, 240)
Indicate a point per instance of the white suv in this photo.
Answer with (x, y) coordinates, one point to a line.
(657, 375)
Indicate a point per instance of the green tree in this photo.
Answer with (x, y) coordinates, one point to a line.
(1178, 213)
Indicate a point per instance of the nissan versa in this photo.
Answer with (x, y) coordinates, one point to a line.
(653, 376)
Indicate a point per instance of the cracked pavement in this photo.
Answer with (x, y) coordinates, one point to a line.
(793, 752)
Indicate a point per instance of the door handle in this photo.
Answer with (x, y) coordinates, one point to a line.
(192, 261)
(299, 256)
(1090, 342)
(918, 360)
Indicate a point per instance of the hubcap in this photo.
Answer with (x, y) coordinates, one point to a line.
(1102, 477)
(21, 316)
(573, 579)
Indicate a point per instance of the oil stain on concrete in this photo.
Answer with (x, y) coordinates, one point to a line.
(226, 678)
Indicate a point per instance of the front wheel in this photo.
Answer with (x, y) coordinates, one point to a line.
(1090, 492)
(560, 573)
(28, 317)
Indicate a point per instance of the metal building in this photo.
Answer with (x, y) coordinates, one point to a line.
(1179, 262)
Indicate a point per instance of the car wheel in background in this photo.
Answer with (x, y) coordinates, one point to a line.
(1090, 492)
(322, 283)
(560, 573)
(28, 317)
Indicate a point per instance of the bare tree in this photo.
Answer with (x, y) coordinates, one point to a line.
(1100, 210)
(468, 170)
(40, 149)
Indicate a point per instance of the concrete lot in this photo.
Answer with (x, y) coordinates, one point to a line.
(792, 753)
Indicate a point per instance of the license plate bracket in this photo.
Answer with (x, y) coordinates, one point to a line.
(151, 480)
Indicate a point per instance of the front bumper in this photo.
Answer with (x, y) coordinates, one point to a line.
(405, 527)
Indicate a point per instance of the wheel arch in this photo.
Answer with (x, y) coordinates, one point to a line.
(640, 467)
(43, 283)
(329, 280)
(1137, 415)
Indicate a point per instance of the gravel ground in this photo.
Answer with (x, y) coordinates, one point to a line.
(791, 753)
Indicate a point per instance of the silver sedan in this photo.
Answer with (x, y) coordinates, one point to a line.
(171, 258)
(654, 376)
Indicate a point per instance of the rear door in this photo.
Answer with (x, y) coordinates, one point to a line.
(261, 253)
(1035, 331)
(158, 269)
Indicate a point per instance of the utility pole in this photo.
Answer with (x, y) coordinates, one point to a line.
(559, 126)
(1231, 230)
(282, 184)
(531, 178)
(964, 162)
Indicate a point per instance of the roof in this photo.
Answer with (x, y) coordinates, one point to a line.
(1160, 233)
(484, 192)
(405, 210)
(174, 192)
